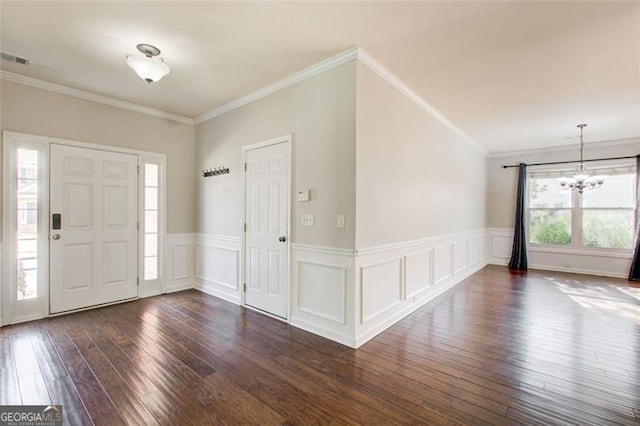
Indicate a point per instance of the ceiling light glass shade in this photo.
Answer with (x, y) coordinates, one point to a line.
(148, 69)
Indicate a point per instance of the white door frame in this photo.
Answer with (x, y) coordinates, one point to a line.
(287, 139)
(10, 139)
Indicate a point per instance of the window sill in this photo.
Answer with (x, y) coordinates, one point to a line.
(616, 253)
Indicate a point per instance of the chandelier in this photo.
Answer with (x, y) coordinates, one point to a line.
(581, 179)
(148, 68)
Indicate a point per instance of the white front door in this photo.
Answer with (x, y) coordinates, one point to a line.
(93, 253)
(266, 218)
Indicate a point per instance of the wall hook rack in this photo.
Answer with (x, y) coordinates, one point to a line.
(215, 171)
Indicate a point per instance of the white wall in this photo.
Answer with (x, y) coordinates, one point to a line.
(415, 177)
(501, 194)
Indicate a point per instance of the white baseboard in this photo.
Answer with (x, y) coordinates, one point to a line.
(214, 290)
(577, 261)
(395, 280)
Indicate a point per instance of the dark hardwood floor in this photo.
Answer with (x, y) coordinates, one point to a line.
(540, 348)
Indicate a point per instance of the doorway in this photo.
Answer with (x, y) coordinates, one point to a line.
(266, 226)
(83, 225)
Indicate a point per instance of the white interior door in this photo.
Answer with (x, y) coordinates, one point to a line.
(266, 216)
(93, 254)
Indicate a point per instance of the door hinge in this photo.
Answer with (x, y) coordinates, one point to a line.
(245, 167)
(245, 227)
(138, 169)
(138, 281)
(245, 287)
(138, 225)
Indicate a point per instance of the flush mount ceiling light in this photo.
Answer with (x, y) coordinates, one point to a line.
(148, 68)
(581, 179)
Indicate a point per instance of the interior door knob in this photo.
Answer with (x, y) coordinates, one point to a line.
(55, 237)
(282, 239)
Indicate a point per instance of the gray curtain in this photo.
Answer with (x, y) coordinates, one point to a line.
(634, 272)
(519, 251)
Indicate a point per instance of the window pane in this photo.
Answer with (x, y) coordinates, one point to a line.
(27, 247)
(607, 228)
(150, 244)
(617, 191)
(151, 198)
(151, 221)
(150, 175)
(27, 282)
(550, 226)
(26, 224)
(547, 193)
(150, 268)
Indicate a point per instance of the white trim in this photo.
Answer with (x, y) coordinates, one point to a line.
(571, 147)
(217, 237)
(88, 96)
(292, 79)
(428, 240)
(323, 250)
(49, 140)
(403, 88)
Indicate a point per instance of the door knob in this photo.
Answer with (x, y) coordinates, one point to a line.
(55, 237)
(282, 239)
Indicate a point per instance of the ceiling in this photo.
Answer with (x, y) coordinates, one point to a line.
(511, 75)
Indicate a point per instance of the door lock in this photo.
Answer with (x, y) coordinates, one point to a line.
(282, 239)
(55, 237)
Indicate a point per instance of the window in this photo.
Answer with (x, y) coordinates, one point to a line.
(151, 222)
(27, 223)
(603, 218)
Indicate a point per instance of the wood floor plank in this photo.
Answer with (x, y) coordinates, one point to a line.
(540, 348)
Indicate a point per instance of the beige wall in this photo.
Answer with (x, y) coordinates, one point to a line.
(35, 111)
(415, 177)
(501, 183)
(320, 114)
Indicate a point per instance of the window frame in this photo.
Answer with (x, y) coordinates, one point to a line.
(577, 246)
(157, 285)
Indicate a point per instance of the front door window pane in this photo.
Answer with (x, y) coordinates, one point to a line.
(27, 223)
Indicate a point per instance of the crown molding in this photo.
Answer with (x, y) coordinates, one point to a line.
(81, 94)
(565, 148)
(403, 88)
(304, 74)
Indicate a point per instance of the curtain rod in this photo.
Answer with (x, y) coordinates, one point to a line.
(573, 161)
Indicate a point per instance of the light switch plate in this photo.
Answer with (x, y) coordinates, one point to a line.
(303, 195)
(340, 221)
(306, 220)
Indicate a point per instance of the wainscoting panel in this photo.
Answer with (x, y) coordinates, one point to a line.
(579, 261)
(179, 269)
(381, 288)
(442, 263)
(397, 279)
(460, 254)
(322, 292)
(418, 277)
(217, 266)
